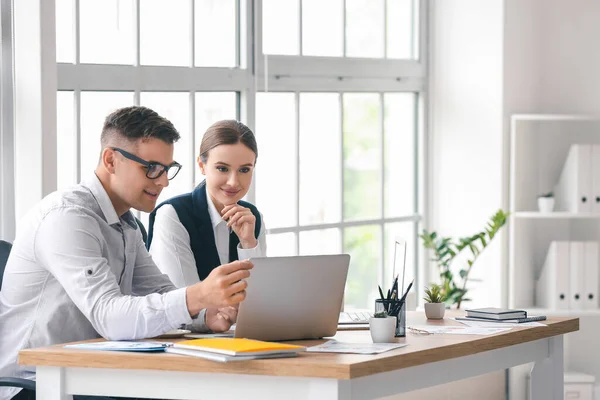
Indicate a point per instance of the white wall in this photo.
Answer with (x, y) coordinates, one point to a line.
(490, 60)
(570, 60)
(466, 128)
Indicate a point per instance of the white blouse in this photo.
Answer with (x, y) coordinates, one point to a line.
(172, 253)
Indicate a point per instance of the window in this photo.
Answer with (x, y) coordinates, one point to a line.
(335, 112)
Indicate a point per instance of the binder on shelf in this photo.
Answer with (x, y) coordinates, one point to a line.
(574, 189)
(590, 291)
(576, 275)
(596, 178)
(552, 287)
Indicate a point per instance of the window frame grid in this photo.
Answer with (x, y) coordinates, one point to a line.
(257, 72)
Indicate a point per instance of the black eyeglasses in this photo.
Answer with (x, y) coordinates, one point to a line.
(153, 169)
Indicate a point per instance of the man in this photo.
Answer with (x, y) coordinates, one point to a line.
(79, 268)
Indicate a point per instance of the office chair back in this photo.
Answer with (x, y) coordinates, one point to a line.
(143, 230)
(5, 248)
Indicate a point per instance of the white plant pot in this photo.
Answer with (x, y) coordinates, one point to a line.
(435, 310)
(382, 330)
(545, 204)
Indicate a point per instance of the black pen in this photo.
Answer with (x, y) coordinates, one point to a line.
(406, 293)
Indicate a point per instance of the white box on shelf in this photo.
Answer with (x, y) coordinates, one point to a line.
(577, 386)
(553, 288)
(574, 189)
(591, 280)
(576, 268)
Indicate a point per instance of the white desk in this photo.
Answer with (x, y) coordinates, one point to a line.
(426, 361)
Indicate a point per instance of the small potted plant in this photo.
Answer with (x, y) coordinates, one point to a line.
(546, 202)
(434, 306)
(382, 327)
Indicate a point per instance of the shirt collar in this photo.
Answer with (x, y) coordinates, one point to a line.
(215, 217)
(93, 183)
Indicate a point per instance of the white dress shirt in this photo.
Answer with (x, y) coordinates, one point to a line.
(78, 271)
(172, 252)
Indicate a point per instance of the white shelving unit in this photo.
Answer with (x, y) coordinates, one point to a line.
(539, 147)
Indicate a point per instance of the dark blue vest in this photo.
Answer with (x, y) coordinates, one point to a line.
(192, 210)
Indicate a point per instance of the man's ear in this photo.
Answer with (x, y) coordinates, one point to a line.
(201, 165)
(109, 160)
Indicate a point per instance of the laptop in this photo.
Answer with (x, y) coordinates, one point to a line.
(293, 298)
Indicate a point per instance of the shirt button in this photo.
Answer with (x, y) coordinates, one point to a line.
(89, 271)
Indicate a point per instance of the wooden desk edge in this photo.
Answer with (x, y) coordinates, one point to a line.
(318, 365)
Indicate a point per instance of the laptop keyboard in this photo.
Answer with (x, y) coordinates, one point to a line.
(357, 317)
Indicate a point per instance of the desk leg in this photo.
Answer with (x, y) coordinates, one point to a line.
(50, 384)
(330, 389)
(547, 375)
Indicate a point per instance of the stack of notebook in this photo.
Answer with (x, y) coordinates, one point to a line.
(492, 314)
(230, 349)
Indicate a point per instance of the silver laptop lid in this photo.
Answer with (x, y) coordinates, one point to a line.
(293, 297)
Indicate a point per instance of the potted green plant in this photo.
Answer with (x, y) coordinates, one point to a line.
(435, 308)
(446, 249)
(546, 202)
(382, 327)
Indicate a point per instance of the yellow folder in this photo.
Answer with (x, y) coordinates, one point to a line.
(235, 346)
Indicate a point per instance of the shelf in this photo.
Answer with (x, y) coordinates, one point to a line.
(554, 117)
(561, 313)
(554, 215)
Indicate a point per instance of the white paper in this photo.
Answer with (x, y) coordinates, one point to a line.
(459, 330)
(333, 346)
(485, 324)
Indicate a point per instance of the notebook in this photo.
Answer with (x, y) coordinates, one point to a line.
(496, 313)
(225, 358)
(122, 345)
(237, 347)
(512, 321)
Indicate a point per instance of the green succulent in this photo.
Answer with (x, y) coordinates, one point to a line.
(434, 294)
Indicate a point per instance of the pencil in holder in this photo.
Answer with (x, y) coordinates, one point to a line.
(394, 308)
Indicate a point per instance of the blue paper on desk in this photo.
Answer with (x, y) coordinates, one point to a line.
(122, 345)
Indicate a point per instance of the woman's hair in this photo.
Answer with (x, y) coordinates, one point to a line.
(226, 132)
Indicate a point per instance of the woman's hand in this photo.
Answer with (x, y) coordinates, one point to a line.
(242, 221)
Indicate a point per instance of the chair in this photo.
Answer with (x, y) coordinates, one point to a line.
(5, 248)
(143, 230)
(4, 252)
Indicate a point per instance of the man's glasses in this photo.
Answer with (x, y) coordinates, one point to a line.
(153, 169)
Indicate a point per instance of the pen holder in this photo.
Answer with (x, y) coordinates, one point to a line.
(394, 308)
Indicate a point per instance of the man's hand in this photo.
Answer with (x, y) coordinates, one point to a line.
(220, 319)
(242, 221)
(225, 286)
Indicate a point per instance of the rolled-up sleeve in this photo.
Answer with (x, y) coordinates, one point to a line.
(68, 243)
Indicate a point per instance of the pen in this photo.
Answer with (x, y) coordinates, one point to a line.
(407, 289)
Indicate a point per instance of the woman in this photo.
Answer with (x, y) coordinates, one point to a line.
(193, 233)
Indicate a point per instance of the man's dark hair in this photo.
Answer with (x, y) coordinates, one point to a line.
(136, 122)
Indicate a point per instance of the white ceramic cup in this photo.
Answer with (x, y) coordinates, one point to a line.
(382, 330)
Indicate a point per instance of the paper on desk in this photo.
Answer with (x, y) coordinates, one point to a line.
(333, 346)
(485, 324)
(459, 330)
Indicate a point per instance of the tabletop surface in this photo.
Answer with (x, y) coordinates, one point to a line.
(421, 349)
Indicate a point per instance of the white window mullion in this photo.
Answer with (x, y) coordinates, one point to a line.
(300, 44)
(345, 50)
(297, 164)
(35, 102)
(194, 147)
(77, 35)
(7, 131)
(382, 184)
(192, 23)
(342, 196)
(77, 125)
(137, 33)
